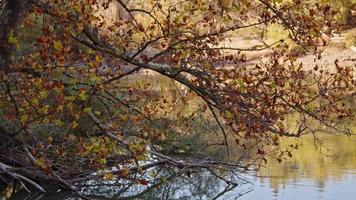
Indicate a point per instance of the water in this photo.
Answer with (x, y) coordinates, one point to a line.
(316, 172)
(306, 188)
(326, 173)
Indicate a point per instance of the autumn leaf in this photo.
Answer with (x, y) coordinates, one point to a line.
(109, 176)
(57, 45)
(82, 96)
(87, 109)
(143, 181)
(12, 39)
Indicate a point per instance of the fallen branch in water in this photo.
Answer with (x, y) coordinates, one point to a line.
(7, 170)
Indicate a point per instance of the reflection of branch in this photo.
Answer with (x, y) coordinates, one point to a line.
(227, 189)
(243, 193)
(153, 187)
(222, 178)
(314, 116)
(70, 186)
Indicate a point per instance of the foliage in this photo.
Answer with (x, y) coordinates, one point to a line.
(344, 8)
(76, 106)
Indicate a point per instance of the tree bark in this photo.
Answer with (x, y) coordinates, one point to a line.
(12, 12)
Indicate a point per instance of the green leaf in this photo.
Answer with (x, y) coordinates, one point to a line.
(103, 161)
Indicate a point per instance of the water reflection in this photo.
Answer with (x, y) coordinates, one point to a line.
(326, 171)
(175, 185)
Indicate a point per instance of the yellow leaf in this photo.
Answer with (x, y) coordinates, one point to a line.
(87, 109)
(109, 176)
(44, 109)
(82, 96)
(58, 122)
(229, 115)
(57, 45)
(75, 124)
(98, 58)
(12, 39)
(50, 139)
(24, 118)
(124, 118)
(40, 163)
(72, 137)
(225, 3)
(35, 101)
(162, 137)
(43, 94)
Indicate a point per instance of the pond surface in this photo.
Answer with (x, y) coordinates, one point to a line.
(325, 170)
(326, 173)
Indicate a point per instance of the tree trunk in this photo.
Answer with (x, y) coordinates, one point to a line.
(12, 13)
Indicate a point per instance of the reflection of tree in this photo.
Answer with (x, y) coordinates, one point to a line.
(52, 193)
(331, 160)
(325, 163)
(169, 184)
(172, 184)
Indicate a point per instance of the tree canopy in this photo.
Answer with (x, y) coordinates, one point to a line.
(74, 105)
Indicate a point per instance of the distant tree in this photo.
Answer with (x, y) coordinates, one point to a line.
(69, 108)
(344, 10)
